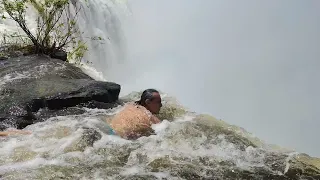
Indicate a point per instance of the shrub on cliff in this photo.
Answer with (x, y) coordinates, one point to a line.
(56, 26)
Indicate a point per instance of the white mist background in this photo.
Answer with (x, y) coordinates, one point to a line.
(252, 63)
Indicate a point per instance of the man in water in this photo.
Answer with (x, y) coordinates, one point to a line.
(135, 119)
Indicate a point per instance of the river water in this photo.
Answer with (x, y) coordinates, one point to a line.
(187, 144)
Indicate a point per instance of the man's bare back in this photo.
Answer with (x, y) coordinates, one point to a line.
(135, 119)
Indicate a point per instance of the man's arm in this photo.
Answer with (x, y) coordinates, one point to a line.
(4, 133)
(155, 120)
(7, 133)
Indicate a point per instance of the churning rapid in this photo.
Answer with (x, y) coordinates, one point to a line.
(187, 145)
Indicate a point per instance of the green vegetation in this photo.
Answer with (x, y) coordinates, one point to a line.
(56, 28)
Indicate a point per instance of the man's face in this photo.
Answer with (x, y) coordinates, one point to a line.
(155, 104)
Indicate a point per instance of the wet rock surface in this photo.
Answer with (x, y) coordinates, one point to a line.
(29, 83)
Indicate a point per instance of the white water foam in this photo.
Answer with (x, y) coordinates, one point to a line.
(34, 72)
(92, 72)
(11, 77)
(54, 141)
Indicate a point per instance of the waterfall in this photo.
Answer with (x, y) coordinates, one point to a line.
(180, 61)
(99, 21)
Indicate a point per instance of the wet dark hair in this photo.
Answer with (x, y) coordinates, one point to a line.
(146, 94)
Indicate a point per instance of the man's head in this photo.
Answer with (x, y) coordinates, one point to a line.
(151, 100)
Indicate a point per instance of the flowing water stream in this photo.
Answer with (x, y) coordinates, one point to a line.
(187, 145)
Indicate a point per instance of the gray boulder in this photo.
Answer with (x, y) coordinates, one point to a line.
(30, 83)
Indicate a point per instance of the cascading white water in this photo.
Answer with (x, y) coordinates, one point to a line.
(183, 149)
(102, 19)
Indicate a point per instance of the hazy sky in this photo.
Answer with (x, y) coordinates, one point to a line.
(252, 63)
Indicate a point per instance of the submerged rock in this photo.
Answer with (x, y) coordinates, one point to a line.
(88, 137)
(212, 168)
(33, 82)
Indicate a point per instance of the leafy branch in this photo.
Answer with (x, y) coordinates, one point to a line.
(56, 27)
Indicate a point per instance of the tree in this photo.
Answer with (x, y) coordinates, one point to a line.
(56, 26)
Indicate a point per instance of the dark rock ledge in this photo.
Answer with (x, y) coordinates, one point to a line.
(31, 83)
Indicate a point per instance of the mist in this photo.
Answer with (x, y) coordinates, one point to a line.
(254, 64)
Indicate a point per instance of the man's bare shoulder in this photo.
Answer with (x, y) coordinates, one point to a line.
(135, 107)
(131, 110)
